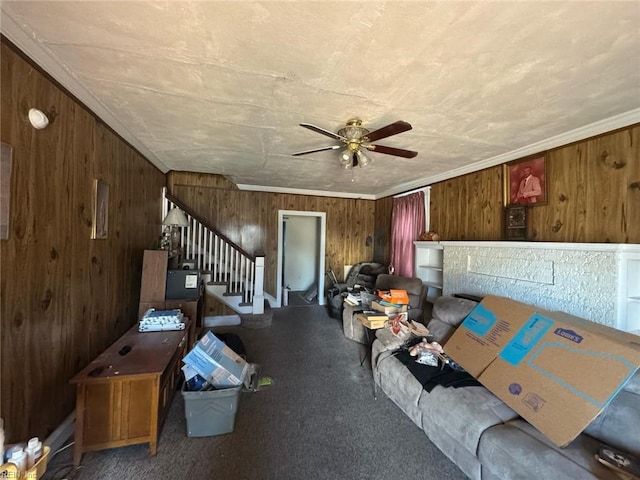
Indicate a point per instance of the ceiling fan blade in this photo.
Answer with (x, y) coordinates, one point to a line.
(332, 147)
(391, 129)
(398, 152)
(323, 131)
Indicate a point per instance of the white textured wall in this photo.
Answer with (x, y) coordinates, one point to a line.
(580, 282)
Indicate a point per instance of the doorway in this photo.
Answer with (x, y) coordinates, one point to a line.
(301, 254)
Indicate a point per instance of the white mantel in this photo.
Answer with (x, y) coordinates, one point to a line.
(596, 281)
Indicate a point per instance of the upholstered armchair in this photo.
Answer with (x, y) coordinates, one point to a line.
(417, 292)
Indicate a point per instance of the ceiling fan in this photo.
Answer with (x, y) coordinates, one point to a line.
(356, 138)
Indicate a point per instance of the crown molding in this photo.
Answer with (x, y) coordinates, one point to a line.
(610, 124)
(44, 58)
(301, 191)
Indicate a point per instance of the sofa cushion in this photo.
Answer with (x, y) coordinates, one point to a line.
(516, 450)
(452, 310)
(447, 314)
(397, 382)
(440, 332)
(611, 426)
(468, 411)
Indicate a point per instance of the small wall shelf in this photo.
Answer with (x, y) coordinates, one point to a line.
(429, 267)
(629, 296)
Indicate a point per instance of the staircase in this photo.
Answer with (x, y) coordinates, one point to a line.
(232, 275)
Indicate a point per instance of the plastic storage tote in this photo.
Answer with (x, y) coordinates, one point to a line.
(211, 412)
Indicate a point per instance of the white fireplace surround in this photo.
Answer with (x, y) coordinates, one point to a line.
(596, 281)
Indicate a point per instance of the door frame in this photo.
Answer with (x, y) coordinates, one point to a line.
(321, 254)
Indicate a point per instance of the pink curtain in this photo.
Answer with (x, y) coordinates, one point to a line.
(407, 223)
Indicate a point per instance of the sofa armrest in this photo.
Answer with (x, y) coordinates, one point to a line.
(389, 341)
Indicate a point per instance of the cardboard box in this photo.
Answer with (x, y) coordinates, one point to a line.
(217, 363)
(557, 371)
(372, 323)
(388, 309)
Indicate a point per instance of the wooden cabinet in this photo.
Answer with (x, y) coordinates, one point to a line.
(429, 267)
(153, 291)
(123, 396)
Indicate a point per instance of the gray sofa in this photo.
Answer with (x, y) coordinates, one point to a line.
(486, 438)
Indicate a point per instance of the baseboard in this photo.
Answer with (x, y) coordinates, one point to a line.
(61, 435)
(221, 320)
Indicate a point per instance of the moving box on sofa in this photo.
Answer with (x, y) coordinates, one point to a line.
(557, 371)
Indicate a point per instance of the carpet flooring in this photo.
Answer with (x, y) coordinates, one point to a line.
(318, 420)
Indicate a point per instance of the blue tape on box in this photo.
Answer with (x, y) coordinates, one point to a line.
(480, 320)
(525, 340)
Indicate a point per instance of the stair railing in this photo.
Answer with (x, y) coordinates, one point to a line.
(213, 252)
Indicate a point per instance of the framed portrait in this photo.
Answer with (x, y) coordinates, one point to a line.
(5, 189)
(100, 225)
(525, 182)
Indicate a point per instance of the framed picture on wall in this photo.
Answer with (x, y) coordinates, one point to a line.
(525, 182)
(515, 225)
(100, 226)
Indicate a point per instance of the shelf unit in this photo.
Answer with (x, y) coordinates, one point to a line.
(629, 306)
(428, 267)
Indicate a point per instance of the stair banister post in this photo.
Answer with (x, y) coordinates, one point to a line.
(258, 287)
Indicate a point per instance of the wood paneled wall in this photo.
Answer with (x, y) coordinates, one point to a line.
(250, 219)
(65, 297)
(382, 236)
(593, 192)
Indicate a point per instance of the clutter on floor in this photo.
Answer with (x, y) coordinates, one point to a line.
(24, 460)
(215, 373)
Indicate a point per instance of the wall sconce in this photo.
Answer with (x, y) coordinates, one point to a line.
(171, 237)
(38, 119)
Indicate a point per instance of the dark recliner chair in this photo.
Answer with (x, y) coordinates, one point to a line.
(363, 274)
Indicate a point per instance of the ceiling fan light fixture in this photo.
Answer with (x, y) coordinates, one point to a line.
(353, 130)
(357, 140)
(363, 159)
(345, 157)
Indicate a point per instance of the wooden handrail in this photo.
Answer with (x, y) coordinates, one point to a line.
(192, 214)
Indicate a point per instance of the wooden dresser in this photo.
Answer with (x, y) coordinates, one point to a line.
(152, 291)
(123, 397)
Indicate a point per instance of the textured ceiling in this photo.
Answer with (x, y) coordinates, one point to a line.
(220, 87)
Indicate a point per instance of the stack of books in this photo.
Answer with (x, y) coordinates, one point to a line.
(353, 299)
(372, 319)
